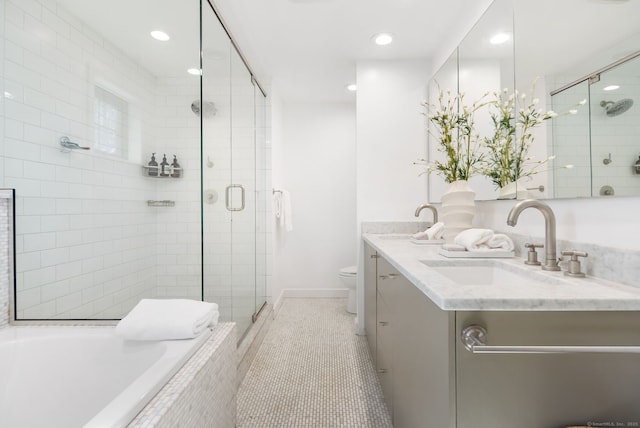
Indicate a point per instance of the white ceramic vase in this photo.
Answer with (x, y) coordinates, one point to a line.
(458, 209)
(514, 190)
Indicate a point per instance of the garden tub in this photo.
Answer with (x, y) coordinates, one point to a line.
(62, 376)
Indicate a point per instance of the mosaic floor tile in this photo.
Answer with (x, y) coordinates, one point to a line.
(312, 371)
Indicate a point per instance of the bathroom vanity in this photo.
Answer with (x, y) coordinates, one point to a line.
(543, 350)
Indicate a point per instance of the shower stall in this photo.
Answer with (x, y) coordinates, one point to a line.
(139, 164)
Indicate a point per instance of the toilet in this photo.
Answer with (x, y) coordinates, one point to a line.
(348, 277)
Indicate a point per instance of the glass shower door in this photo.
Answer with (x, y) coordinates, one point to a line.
(215, 158)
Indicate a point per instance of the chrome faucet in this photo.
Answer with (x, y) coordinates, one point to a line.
(432, 208)
(551, 261)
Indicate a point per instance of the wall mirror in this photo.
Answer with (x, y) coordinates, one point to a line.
(484, 61)
(559, 49)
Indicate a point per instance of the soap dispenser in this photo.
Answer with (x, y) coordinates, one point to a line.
(153, 166)
(175, 171)
(164, 167)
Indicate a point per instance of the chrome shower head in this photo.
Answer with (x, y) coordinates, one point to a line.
(616, 108)
(208, 108)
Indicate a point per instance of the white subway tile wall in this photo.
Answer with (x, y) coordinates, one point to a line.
(86, 240)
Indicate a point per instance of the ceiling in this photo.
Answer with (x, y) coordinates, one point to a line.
(308, 49)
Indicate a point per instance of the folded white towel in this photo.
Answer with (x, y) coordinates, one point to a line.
(166, 319)
(474, 239)
(436, 231)
(423, 236)
(432, 233)
(501, 242)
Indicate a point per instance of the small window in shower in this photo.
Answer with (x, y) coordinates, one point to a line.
(110, 123)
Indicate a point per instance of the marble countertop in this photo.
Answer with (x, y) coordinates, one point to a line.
(553, 291)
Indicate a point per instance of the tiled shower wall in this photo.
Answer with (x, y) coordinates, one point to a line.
(85, 238)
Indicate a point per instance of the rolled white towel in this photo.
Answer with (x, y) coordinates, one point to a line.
(167, 319)
(474, 239)
(436, 231)
(500, 241)
(421, 235)
(432, 233)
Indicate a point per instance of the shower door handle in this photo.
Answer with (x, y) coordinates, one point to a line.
(230, 191)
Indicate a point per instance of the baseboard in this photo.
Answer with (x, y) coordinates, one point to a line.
(309, 293)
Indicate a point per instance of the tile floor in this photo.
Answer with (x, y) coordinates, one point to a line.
(312, 371)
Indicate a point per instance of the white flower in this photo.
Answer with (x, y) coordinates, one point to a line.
(573, 111)
(583, 102)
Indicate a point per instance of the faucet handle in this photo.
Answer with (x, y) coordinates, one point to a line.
(532, 255)
(574, 263)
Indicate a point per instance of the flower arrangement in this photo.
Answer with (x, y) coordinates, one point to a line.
(507, 158)
(452, 124)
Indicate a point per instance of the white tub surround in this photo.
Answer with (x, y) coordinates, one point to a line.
(553, 292)
(59, 376)
(203, 392)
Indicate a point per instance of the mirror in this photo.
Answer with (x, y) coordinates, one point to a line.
(559, 45)
(484, 61)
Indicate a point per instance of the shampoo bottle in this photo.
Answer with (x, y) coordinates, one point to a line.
(164, 167)
(175, 168)
(153, 166)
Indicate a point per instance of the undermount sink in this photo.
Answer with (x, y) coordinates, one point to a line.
(395, 236)
(486, 273)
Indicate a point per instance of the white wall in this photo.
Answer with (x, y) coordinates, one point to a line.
(313, 158)
(391, 136)
(600, 221)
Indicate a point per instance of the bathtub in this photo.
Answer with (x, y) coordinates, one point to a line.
(82, 376)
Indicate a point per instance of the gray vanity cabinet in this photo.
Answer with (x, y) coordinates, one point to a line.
(430, 380)
(414, 352)
(370, 297)
(532, 390)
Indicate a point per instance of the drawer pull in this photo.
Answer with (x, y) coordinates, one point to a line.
(474, 339)
(389, 276)
(383, 323)
(382, 370)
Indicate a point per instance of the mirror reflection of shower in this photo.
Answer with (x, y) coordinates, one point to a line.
(609, 127)
(615, 108)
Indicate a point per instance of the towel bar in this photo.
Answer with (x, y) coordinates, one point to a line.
(474, 340)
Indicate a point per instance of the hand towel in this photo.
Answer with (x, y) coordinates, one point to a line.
(474, 239)
(432, 233)
(500, 241)
(436, 231)
(286, 219)
(167, 319)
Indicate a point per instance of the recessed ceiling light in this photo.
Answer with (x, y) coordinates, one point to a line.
(382, 39)
(160, 35)
(611, 88)
(499, 38)
(195, 71)
(352, 87)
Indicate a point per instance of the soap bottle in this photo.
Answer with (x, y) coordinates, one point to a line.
(153, 166)
(175, 171)
(637, 166)
(164, 167)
